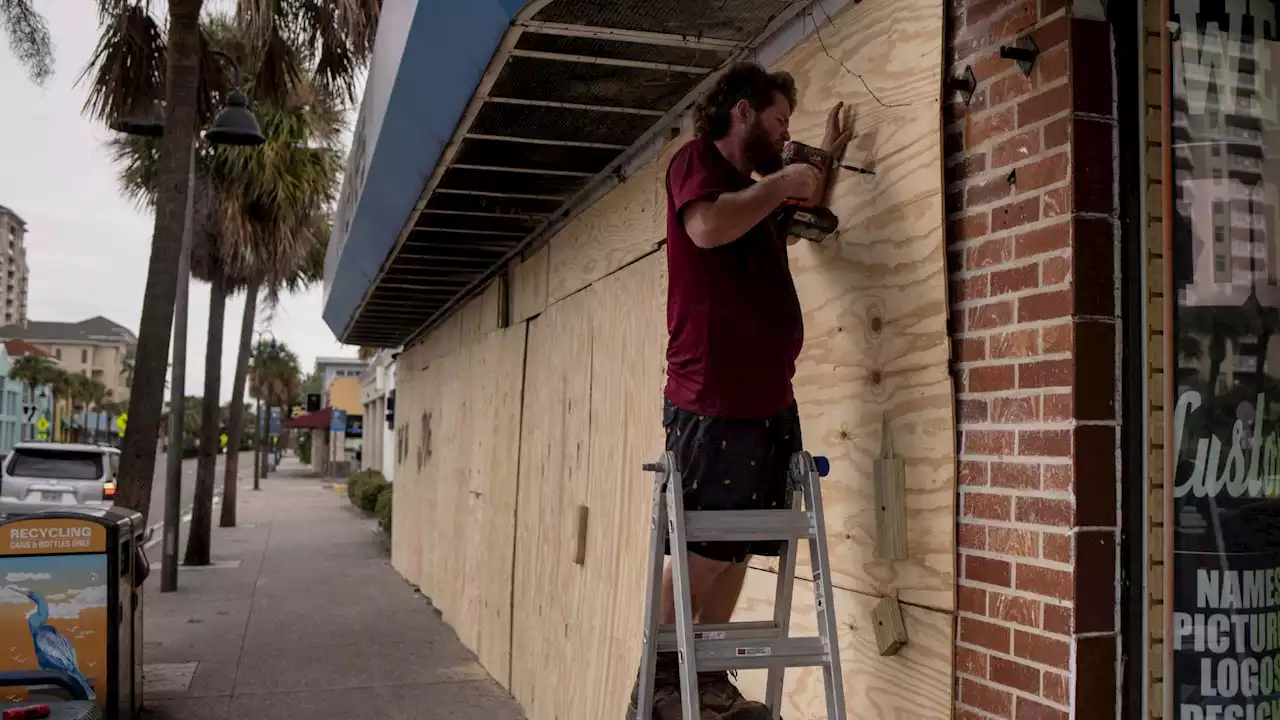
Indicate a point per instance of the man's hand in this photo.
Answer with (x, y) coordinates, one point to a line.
(799, 180)
(839, 130)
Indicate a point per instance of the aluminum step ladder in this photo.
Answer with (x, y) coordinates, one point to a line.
(739, 645)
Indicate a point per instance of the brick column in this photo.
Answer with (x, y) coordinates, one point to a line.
(1032, 257)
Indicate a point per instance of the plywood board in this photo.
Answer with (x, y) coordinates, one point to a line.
(627, 371)
(554, 459)
(914, 684)
(441, 341)
(615, 230)
(529, 286)
(406, 525)
(479, 316)
(874, 298)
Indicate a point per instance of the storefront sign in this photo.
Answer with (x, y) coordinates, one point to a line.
(1224, 214)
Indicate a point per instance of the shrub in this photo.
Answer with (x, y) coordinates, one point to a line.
(383, 509)
(370, 488)
(353, 485)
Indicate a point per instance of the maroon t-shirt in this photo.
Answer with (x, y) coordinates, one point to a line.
(733, 318)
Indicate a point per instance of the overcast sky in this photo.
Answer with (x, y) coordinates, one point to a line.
(87, 245)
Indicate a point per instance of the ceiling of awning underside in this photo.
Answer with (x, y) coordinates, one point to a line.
(582, 84)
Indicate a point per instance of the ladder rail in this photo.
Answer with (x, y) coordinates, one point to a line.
(689, 695)
(653, 590)
(782, 599)
(823, 596)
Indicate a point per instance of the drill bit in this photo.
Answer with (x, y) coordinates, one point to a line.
(861, 171)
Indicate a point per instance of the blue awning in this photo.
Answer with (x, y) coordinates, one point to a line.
(485, 121)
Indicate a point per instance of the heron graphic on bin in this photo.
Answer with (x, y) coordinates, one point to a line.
(53, 651)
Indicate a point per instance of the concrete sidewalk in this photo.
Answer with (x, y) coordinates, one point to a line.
(303, 616)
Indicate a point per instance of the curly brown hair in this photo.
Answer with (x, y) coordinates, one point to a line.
(742, 81)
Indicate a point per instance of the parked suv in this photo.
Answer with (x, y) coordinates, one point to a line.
(44, 476)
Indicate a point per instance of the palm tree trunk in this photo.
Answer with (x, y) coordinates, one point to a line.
(200, 539)
(138, 452)
(235, 424)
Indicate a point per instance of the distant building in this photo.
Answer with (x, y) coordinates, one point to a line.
(97, 347)
(377, 396)
(13, 268)
(23, 407)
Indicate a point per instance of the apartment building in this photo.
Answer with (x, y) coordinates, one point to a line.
(98, 348)
(13, 267)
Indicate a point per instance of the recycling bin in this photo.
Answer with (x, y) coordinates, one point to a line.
(71, 604)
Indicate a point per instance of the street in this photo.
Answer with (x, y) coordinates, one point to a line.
(155, 518)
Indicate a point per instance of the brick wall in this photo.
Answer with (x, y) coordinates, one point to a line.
(1033, 265)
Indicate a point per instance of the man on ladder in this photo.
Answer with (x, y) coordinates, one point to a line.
(735, 331)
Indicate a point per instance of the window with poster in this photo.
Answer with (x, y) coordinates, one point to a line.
(1222, 214)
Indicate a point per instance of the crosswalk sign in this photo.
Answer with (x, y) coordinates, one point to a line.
(42, 424)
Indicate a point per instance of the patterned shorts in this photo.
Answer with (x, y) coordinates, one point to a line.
(732, 464)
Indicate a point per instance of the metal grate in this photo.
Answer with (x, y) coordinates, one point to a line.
(554, 123)
(739, 20)
(709, 58)
(502, 153)
(524, 183)
(529, 78)
(520, 225)
(491, 204)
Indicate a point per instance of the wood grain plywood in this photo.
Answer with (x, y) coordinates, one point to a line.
(529, 286)
(874, 298)
(629, 332)
(479, 316)
(406, 525)
(441, 341)
(554, 459)
(425, 459)
(615, 230)
(915, 684)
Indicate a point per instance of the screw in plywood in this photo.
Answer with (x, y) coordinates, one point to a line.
(891, 631)
(890, 479)
(580, 547)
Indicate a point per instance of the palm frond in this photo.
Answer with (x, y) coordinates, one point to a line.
(29, 38)
(139, 161)
(127, 67)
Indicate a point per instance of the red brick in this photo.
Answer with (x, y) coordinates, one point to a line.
(1044, 105)
(1015, 675)
(1057, 478)
(1043, 240)
(1057, 133)
(1016, 149)
(1056, 31)
(1051, 66)
(987, 506)
(1045, 306)
(1013, 410)
(1015, 279)
(969, 349)
(1031, 710)
(972, 472)
(986, 698)
(991, 378)
(991, 315)
(988, 570)
(978, 10)
(985, 634)
(1044, 581)
(1056, 688)
(1013, 541)
(1057, 547)
(987, 442)
(1009, 87)
(1012, 22)
(970, 288)
(1049, 443)
(1042, 173)
(1057, 201)
(1015, 213)
(987, 192)
(1046, 373)
(988, 126)
(1057, 338)
(972, 411)
(969, 227)
(1042, 649)
(965, 714)
(1016, 343)
(962, 167)
(990, 64)
(1058, 407)
(1045, 511)
(1056, 270)
(971, 662)
(1057, 619)
(991, 252)
(972, 537)
(1022, 476)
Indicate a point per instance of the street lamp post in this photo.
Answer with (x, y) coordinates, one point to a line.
(233, 125)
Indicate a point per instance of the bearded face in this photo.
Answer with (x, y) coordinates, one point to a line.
(763, 147)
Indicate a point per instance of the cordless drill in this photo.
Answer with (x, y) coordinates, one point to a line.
(801, 217)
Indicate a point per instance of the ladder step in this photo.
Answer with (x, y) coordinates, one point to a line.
(725, 631)
(749, 655)
(718, 525)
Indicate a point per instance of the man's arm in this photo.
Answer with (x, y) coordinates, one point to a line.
(712, 223)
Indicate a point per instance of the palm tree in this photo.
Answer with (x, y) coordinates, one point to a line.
(277, 379)
(135, 64)
(34, 371)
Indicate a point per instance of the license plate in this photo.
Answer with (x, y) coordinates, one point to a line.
(51, 497)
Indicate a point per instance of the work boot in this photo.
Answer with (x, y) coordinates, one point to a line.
(724, 698)
(666, 693)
